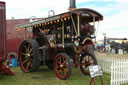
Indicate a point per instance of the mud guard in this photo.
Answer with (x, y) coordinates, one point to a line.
(88, 45)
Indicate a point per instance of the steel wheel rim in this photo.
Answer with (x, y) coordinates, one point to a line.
(86, 61)
(26, 57)
(61, 66)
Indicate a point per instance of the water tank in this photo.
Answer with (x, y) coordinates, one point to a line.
(2, 29)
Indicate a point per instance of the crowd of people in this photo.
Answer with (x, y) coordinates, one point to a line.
(112, 47)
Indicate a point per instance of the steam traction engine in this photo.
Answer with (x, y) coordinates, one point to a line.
(60, 42)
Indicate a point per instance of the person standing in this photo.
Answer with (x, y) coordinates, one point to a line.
(108, 48)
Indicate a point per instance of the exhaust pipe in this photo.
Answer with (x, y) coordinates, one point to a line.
(72, 5)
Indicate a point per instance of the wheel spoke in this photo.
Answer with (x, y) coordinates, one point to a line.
(31, 54)
(25, 47)
(31, 61)
(82, 64)
(23, 54)
(25, 61)
(90, 59)
(63, 59)
(31, 64)
(65, 62)
(60, 72)
(91, 63)
(85, 68)
(66, 70)
(59, 63)
(63, 72)
(85, 64)
(60, 60)
(30, 50)
(28, 47)
(28, 65)
(57, 66)
(65, 65)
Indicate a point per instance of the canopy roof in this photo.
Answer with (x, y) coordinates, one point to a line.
(63, 16)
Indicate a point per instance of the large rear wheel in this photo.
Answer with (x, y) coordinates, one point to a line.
(86, 60)
(29, 55)
(63, 66)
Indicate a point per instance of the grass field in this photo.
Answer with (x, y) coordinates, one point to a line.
(48, 77)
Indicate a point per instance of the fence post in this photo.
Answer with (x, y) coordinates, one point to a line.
(118, 68)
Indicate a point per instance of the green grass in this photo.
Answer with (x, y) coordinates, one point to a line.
(48, 77)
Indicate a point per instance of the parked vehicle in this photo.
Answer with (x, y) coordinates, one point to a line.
(60, 42)
(100, 48)
(3, 50)
(10, 39)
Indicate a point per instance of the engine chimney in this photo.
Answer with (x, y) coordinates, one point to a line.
(72, 5)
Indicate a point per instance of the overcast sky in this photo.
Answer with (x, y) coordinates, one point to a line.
(115, 12)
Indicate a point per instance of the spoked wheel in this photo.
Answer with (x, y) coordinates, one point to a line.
(28, 55)
(86, 60)
(63, 66)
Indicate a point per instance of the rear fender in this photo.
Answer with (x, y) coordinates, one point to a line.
(88, 45)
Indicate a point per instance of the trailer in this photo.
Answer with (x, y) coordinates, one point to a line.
(60, 41)
(3, 58)
(10, 39)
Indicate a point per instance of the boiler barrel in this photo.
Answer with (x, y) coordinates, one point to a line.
(2, 29)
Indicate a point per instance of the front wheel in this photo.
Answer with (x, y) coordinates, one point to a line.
(86, 60)
(62, 66)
